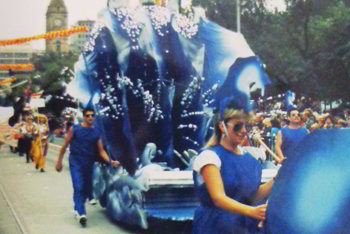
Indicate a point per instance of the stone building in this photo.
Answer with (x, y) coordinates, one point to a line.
(57, 19)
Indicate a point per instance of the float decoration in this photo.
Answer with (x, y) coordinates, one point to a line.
(153, 76)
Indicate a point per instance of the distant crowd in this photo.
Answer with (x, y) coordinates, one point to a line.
(271, 116)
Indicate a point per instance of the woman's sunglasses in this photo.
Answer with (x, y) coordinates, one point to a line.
(237, 127)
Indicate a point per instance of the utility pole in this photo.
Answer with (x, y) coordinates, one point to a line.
(238, 15)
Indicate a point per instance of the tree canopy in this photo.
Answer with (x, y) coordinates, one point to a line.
(49, 75)
(305, 48)
(52, 73)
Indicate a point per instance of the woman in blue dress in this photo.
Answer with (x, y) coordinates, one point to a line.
(228, 181)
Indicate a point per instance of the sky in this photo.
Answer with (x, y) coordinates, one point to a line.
(24, 18)
(276, 4)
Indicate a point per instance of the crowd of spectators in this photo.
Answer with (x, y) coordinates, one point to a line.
(271, 116)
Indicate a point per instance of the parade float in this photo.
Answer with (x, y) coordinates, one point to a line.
(155, 76)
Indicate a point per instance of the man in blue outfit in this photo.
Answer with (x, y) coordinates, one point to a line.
(289, 137)
(85, 144)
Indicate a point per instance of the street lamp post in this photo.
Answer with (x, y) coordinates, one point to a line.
(238, 13)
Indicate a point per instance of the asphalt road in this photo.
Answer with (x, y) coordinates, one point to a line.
(32, 202)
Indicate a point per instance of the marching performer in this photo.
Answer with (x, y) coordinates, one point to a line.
(40, 142)
(85, 144)
(227, 180)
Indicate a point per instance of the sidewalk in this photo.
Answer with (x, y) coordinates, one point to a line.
(32, 202)
(8, 221)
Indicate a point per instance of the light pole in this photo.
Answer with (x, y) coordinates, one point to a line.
(238, 13)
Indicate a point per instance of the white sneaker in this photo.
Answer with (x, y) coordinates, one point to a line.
(82, 219)
(93, 202)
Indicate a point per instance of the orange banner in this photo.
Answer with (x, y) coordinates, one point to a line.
(27, 66)
(49, 35)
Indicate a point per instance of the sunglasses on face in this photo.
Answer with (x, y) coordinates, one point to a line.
(237, 127)
(295, 114)
(91, 115)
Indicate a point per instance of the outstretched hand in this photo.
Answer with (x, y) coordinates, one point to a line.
(256, 137)
(59, 166)
(281, 161)
(115, 163)
(258, 212)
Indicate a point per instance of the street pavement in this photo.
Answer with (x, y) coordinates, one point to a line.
(32, 202)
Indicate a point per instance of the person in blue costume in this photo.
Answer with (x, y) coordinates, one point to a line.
(227, 180)
(289, 137)
(85, 144)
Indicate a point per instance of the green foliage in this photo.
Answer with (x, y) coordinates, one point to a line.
(305, 48)
(223, 12)
(48, 76)
(48, 68)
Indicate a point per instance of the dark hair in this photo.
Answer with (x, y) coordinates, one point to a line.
(275, 123)
(290, 110)
(329, 117)
(86, 109)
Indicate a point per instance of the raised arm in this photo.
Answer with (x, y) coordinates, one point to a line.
(279, 152)
(212, 179)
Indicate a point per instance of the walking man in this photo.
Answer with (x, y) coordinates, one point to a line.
(85, 144)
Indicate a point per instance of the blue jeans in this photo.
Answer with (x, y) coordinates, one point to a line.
(82, 185)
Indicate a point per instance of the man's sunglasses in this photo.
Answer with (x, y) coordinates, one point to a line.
(91, 115)
(236, 127)
(294, 115)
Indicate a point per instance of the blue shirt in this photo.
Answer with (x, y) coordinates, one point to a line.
(291, 138)
(241, 175)
(83, 146)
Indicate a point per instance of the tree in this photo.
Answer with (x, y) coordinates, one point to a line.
(48, 68)
(50, 77)
(318, 33)
(305, 48)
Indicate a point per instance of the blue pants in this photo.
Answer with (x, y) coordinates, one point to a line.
(82, 184)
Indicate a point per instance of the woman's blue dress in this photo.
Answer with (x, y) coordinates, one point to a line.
(241, 175)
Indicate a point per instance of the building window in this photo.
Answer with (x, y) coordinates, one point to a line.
(21, 55)
(6, 61)
(6, 55)
(21, 61)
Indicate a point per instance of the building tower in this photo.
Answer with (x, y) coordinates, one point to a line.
(57, 19)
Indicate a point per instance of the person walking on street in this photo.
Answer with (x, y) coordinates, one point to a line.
(85, 143)
(27, 130)
(40, 142)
